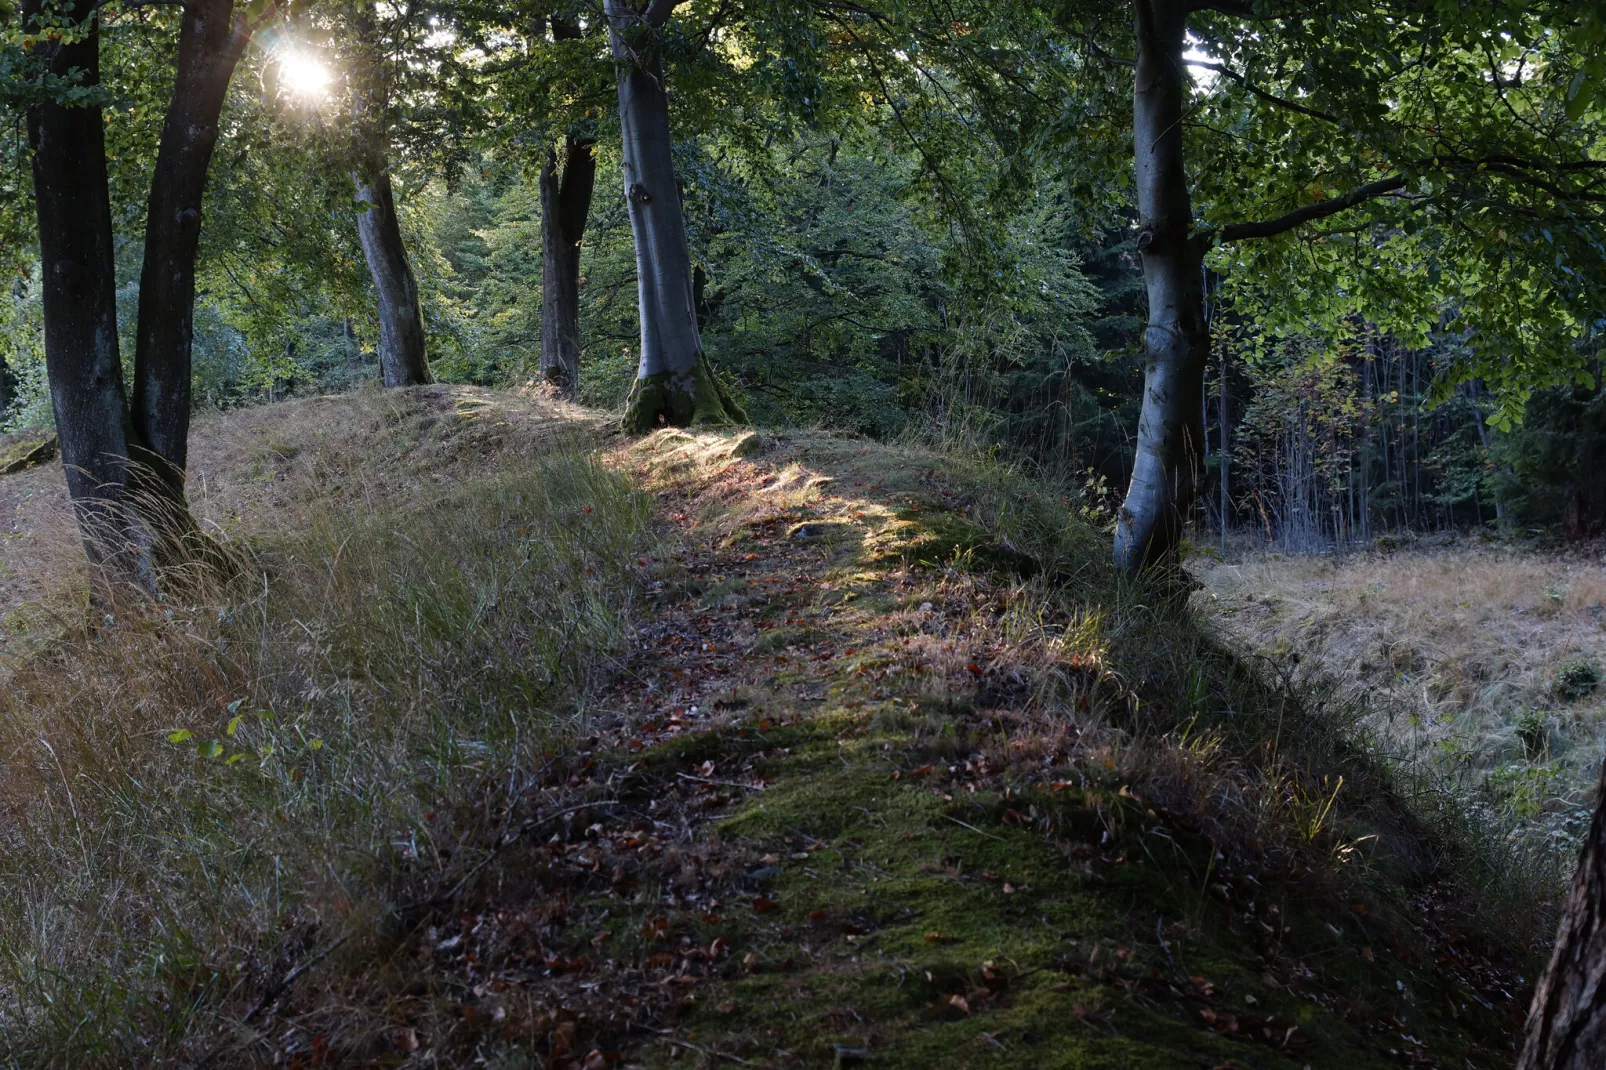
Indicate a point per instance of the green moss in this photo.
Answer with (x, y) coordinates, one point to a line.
(942, 537)
(774, 639)
(677, 400)
(26, 453)
(923, 928)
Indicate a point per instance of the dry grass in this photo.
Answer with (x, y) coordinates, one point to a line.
(1458, 656)
(198, 792)
(204, 792)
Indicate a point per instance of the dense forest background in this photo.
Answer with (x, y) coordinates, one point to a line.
(840, 282)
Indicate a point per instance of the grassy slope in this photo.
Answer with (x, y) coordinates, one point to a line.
(1479, 663)
(863, 757)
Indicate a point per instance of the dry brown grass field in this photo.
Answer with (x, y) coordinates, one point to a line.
(1479, 664)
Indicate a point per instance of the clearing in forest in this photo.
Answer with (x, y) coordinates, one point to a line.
(525, 744)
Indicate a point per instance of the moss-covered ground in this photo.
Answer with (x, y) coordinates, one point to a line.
(937, 828)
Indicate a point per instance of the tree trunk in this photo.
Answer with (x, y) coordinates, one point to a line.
(402, 358)
(675, 383)
(1224, 455)
(1169, 467)
(565, 204)
(8, 387)
(348, 337)
(1488, 451)
(79, 294)
(212, 37)
(1567, 1021)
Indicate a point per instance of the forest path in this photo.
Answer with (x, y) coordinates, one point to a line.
(876, 765)
(843, 823)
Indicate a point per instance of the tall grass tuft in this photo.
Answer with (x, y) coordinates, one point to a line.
(202, 789)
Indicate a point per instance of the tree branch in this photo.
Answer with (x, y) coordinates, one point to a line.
(658, 11)
(1270, 98)
(1320, 210)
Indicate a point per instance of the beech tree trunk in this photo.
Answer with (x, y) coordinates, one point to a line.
(402, 357)
(675, 383)
(565, 204)
(212, 37)
(1567, 1022)
(8, 386)
(1168, 470)
(72, 201)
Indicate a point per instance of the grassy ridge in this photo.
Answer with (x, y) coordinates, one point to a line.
(522, 746)
(1014, 813)
(204, 791)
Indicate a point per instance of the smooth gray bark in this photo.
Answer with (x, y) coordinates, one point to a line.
(674, 382)
(402, 358)
(565, 204)
(212, 37)
(402, 354)
(1168, 469)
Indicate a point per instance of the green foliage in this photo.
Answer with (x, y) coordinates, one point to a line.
(1553, 466)
(1576, 679)
(22, 355)
(1532, 733)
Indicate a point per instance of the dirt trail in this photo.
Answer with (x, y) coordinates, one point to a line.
(870, 787)
(833, 823)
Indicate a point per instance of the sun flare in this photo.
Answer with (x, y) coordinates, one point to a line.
(303, 76)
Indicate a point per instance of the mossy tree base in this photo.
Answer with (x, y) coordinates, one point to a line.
(678, 399)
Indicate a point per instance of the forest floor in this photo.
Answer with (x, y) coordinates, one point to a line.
(1477, 663)
(821, 753)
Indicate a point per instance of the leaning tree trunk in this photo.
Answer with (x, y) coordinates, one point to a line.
(675, 383)
(1169, 467)
(212, 37)
(402, 359)
(79, 292)
(1567, 1022)
(565, 203)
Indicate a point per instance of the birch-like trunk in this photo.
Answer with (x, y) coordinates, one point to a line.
(675, 384)
(565, 204)
(1169, 467)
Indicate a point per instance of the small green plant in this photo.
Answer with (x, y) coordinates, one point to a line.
(1576, 678)
(1531, 733)
(1523, 789)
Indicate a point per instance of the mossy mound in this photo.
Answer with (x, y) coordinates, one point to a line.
(681, 399)
(1005, 810)
(19, 453)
